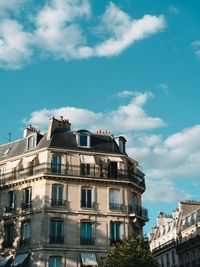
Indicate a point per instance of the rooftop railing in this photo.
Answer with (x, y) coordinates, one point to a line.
(72, 171)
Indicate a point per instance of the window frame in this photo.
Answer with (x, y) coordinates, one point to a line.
(85, 202)
(56, 238)
(31, 142)
(55, 264)
(56, 164)
(27, 237)
(88, 140)
(58, 200)
(87, 232)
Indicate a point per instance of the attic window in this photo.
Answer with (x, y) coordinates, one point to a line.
(31, 142)
(83, 140)
(5, 153)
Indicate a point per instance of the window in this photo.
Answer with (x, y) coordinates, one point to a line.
(27, 198)
(114, 232)
(173, 257)
(85, 169)
(55, 261)
(86, 197)
(83, 140)
(11, 201)
(167, 259)
(86, 233)
(122, 146)
(2, 171)
(115, 199)
(8, 235)
(31, 142)
(112, 169)
(5, 153)
(25, 233)
(56, 164)
(56, 231)
(57, 195)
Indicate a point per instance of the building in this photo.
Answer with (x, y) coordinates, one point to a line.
(188, 242)
(169, 238)
(66, 196)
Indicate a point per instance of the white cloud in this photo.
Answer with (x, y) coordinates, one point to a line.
(164, 160)
(124, 94)
(57, 31)
(125, 31)
(178, 156)
(163, 191)
(130, 117)
(15, 48)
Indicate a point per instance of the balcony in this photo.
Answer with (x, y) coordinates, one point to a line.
(26, 206)
(138, 211)
(87, 241)
(115, 206)
(56, 239)
(188, 244)
(171, 243)
(57, 203)
(71, 171)
(87, 204)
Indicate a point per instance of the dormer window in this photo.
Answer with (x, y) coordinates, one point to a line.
(31, 142)
(83, 139)
(5, 153)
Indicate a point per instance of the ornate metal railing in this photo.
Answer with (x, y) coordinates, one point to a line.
(71, 170)
(139, 210)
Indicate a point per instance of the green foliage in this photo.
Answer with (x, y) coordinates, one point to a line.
(134, 252)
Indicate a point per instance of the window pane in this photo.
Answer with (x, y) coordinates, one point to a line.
(83, 140)
(55, 262)
(56, 164)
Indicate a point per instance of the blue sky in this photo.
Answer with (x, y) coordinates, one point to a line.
(131, 67)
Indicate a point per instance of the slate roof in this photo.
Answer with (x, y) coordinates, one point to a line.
(62, 140)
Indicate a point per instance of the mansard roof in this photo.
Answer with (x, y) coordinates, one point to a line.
(61, 140)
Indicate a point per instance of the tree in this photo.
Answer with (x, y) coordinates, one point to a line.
(134, 252)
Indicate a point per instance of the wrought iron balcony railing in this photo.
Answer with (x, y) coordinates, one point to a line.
(26, 205)
(72, 171)
(53, 239)
(87, 241)
(57, 202)
(87, 204)
(115, 206)
(139, 211)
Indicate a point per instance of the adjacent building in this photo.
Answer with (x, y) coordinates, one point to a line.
(66, 196)
(175, 240)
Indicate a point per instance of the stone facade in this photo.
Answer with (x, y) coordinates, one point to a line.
(175, 241)
(66, 196)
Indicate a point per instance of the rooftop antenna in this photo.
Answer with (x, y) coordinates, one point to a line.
(9, 136)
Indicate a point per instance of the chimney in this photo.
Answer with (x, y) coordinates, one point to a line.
(30, 130)
(57, 125)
